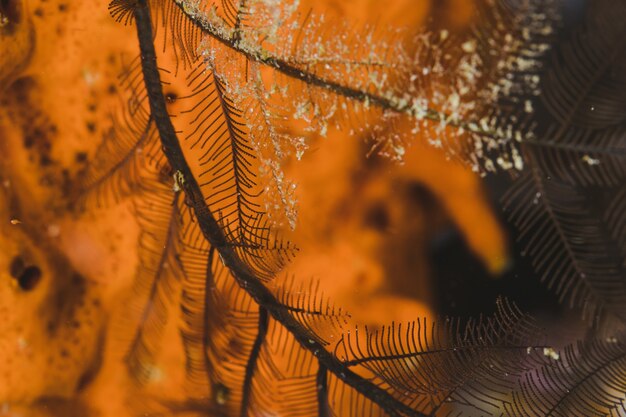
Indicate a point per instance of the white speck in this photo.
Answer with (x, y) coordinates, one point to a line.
(528, 106)
(90, 77)
(469, 46)
(155, 373)
(551, 353)
(591, 161)
(54, 230)
(22, 343)
(504, 164)
(518, 162)
(537, 197)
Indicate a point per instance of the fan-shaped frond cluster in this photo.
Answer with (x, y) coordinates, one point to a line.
(567, 236)
(443, 85)
(568, 205)
(251, 82)
(588, 380)
(130, 147)
(444, 367)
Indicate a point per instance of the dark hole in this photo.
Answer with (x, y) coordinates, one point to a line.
(29, 278)
(80, 157)
(377, 217)
(171, 97)
(9, 9)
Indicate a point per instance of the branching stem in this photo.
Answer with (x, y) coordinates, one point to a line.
(232, 39)
(253, 359)
(222, 33)
(215, 236)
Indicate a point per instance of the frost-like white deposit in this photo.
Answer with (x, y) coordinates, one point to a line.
(299, 79)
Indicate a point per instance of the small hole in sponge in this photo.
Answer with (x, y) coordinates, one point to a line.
(27, 277)
(30, 278)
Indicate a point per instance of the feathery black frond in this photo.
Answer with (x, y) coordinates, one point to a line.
(158, 276)
(570, 245)
(218, 137)
(577, 163)
(255, 345)
(616, 220)
(588, 379)
(128, 150)
(123, 10)
(585, 86)
(434, 367)
(581, 127)
(312, 309)
(587, 158)
(415, 89)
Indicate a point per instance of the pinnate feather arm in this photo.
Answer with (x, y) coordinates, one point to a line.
(214, 234)
(231, 38)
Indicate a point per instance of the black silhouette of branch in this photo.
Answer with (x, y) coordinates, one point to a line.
(214, 234)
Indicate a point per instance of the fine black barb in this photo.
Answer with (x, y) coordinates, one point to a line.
(557, 221)
(587, 380)
(214, 234)
(564, 206)
(252, 361)
(157, 259)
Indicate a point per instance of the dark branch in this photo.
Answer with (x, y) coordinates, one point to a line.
(322, 392)
(209, 282)
(252, 361)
